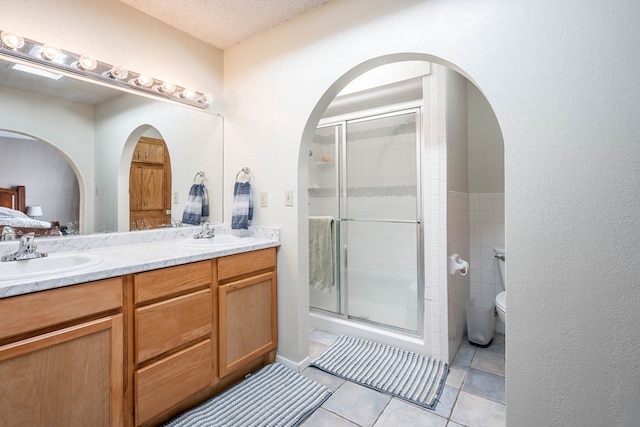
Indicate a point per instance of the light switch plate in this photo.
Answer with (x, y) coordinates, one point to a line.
(288, 198)
(264, 201)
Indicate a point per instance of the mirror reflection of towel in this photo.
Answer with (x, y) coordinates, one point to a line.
(197, 206)
(321, 252)
(242, 210)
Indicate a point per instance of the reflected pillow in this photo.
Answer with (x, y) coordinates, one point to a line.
(11, 213)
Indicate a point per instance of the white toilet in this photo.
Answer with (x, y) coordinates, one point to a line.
(501, 298)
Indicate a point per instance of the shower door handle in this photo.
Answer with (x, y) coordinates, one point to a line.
(345, 256)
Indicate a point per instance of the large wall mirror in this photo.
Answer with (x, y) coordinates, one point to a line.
(55, 127)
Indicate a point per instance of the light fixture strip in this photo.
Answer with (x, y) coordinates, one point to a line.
(68, 62)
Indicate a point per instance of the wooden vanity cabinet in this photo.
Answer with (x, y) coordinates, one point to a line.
(174, 347)
(137, 349)
(61, 357)
(247, 311)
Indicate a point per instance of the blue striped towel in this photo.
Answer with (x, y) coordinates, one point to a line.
(242, 211)
(197, 206)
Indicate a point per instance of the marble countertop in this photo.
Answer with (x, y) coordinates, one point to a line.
(130, 252)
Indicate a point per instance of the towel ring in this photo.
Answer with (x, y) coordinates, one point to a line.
(199, 174)
(244, 170)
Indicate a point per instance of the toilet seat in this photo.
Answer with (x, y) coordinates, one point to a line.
(501, 301)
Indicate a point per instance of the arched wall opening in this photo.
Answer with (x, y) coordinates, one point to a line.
(443, 326)
(124, 169)
(61, 193)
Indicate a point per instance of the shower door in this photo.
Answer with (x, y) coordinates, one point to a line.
(378, 218)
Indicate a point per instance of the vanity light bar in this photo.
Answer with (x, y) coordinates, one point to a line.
(49, 56)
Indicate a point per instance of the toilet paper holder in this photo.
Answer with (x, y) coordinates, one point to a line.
(457, 264)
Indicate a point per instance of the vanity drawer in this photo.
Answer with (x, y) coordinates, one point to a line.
(39, 310)
(157, 284)
(169, 324)
(168, 381)
(246, 263)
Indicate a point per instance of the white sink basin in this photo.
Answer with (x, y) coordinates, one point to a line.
(53, 264)
(221, 241)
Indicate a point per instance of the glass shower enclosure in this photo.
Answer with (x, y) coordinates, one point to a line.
(364, 189)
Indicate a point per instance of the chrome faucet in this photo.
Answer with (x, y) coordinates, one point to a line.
(27, 249)
(207, 232)
(8, 233)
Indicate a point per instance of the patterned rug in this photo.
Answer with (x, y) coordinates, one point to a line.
(273, 396)
(410, 376)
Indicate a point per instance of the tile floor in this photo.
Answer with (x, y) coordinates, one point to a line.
(474, 394)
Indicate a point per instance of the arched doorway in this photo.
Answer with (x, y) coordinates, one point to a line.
(449, 166)
(50, 178)
(150, 183)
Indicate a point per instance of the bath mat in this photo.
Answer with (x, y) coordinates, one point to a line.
(273, 396)
(410, 376)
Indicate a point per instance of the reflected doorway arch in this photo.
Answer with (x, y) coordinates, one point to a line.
(150, 183)
(51, 178)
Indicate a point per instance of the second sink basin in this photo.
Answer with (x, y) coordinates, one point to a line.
(221, 241)
(50, 265)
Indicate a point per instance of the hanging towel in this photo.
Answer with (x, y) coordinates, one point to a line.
(321, 252)
(197, 207)
(242, 211)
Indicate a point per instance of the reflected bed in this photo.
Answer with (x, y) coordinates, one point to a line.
(12, 213)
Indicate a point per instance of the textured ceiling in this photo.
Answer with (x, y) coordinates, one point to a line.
(224, 23)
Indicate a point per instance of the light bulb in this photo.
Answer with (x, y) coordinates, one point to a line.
(117, 72)
(166, 87)
(143, 80)
(205, 99)
(50, 52)
(187, 94)
(11, 40)
(87, 63)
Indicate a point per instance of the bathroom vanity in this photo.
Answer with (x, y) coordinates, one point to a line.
(141, 347)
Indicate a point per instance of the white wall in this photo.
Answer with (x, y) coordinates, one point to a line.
(193, 139)
(40, 116)
(558, 77)
(486, 148)
(456, 132)
(457, 147)
(486, 197)
(21, 157)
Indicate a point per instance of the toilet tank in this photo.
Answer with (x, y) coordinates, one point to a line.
(500, 259)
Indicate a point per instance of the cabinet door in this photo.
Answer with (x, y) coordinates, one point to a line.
(168, 381)
(135, 187)
(152, 189)
(69, 377)
(169, 324)
(247, 320)
(149, 152)
(146, 188)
